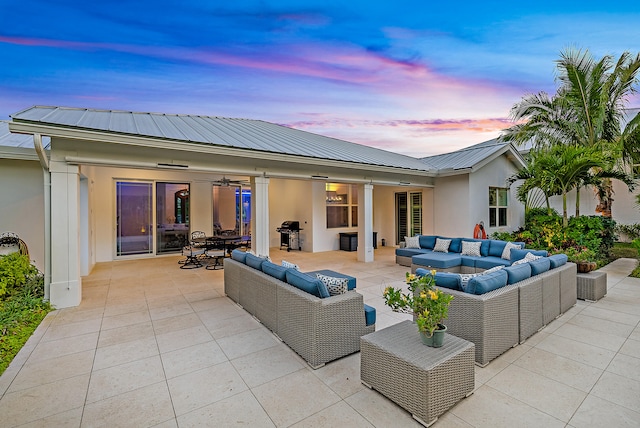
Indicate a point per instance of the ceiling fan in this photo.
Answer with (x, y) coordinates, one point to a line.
(225, 182)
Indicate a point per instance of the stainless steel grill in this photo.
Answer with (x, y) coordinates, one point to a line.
(290, 235)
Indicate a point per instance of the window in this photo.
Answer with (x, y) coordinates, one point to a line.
(498, 203)
(342, 205)
(408, 215)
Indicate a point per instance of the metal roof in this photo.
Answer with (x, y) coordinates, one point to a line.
(246, 134)
(17, 140)
(468, 157)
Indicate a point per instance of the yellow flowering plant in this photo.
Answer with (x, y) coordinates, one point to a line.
(429, 305)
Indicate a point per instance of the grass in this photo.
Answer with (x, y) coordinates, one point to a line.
(627, 250)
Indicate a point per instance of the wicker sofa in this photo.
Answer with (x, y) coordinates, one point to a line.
(506, 316)
(318, 329)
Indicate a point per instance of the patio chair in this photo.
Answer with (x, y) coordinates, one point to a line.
(215, 253)
(11, 243)
(194, 251)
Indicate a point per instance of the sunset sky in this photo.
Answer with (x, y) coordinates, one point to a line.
(415, 77)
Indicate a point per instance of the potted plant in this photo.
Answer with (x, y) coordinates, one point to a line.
(583, 257)
(429, 306)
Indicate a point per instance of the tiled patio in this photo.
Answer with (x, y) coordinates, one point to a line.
(153, 345)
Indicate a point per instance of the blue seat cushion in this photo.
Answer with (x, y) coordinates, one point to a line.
(410, 252)
(484, 245)
(488, 282)
(254, 261)
(239, 256)
(369, 315)
(469, 260)
(539, 266)
(447, 280)
(307, 283)
(491, 261)
(518, 273)
(558, 260)
(350, 285)
(275, 270)
(437, 260)
(519, 254)
(427, 241)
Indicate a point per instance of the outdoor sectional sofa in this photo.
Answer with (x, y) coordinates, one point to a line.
(500, 309)
(319, 329)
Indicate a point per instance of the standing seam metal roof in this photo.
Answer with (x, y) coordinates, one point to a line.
(17, 140)
(226, 132)
(465, 158)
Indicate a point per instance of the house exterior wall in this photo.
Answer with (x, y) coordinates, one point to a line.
(451, 206)
(494, 174)
(22, 207)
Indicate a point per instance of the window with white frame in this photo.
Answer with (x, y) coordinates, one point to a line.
(342, 205)
(498, 204)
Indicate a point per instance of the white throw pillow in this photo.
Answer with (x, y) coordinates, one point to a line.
(412, 241)
(506, 253)
(465, 277)
(290, 265)
(442, 245)
(529, 257)
(334, 285)
(471, 248)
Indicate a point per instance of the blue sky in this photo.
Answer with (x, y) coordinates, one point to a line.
(415, 77)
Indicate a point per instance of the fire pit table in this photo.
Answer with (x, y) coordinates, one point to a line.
(424, 381)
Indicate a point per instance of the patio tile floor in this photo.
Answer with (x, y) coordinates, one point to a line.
(153, 345)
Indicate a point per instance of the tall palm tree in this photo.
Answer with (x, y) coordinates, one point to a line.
(586, 111)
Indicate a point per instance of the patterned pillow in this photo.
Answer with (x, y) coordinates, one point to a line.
(412, 241)
(442, 245)
(506, 253)
(465, 277)
(471, 248)
(290, 265)
(334, 285)
(529, 257)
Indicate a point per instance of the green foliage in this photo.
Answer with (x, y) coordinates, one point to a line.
(15, 271)
(532, 213)
(21, 306)
(502, 236)
(631, 230)
(636, 244)
(430, 305)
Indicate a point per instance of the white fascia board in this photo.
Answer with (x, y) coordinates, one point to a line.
(150, 142)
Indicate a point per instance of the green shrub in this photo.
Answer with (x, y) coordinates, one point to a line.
(502, 236)
(15, 271)
(631, 230)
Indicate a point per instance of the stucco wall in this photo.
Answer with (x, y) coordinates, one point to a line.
(451, 206)
(22, 207)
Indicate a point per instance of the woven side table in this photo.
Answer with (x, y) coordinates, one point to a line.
(424, 381)
(592, 286)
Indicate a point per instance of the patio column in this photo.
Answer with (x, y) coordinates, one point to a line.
(365, 222)
(260, 215)
(66, 284)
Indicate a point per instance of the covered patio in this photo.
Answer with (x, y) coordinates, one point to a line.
(154, 345)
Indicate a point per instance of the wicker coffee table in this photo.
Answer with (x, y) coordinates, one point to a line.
(424, 381)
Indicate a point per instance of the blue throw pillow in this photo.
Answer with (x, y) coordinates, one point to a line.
(239, 256)
(448, 280)
(519, 254)
(485, 283)
(427, 241)
(307, 283)
(558, 260)
(254, 261)
(274, 270)
(539, 266)
(496, 248)
(518, 273)
(456, 245)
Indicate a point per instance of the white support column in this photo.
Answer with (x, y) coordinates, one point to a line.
(66, 283)
(260, 215)
(365, 222)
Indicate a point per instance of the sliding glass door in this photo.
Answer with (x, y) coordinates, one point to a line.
(134, 222)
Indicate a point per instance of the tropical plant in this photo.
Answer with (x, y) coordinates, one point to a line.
(586, 111)
(429, 305)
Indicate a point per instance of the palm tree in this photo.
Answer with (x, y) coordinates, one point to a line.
(586, 111)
